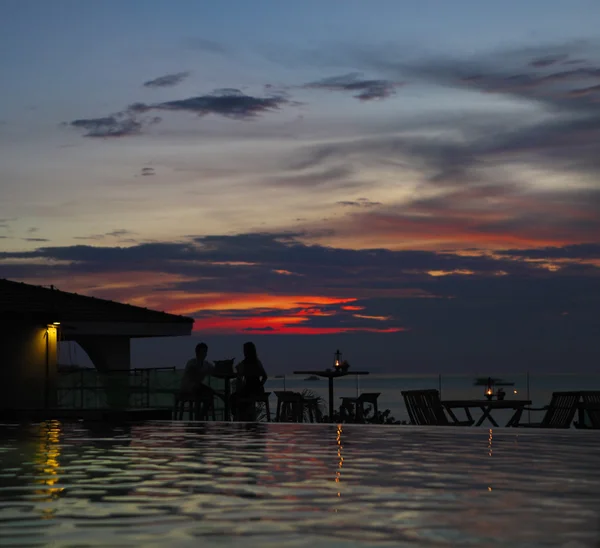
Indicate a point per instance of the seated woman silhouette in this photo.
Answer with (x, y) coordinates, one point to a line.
(251, 377)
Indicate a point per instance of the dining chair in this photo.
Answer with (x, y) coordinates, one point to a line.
(355, 407)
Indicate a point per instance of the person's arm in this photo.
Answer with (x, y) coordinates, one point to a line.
(263, 373)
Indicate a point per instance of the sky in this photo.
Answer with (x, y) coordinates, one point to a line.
(415, 183)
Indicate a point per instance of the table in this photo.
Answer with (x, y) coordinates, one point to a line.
(330, 375)
(227, 392)
(487, 406)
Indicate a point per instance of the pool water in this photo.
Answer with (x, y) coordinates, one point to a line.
(228, 484)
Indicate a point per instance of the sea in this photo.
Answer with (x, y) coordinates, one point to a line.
(85, 389)
(267, 485)
(68, 484)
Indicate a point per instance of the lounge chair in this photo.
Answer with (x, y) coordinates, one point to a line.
(559, 413)
(590, 406)
(425, 408)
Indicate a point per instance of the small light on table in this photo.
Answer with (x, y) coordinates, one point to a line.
(338, 359)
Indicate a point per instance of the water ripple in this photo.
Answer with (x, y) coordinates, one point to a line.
(173, 484)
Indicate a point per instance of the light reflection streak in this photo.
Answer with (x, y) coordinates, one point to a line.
(338, 473)
(47, 464)
(490, 450)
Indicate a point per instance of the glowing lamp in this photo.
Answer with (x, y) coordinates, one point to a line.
(489, 391)
(55, 323)
(338, 359)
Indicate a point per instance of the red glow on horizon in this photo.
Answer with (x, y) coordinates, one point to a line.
(282, 325)
(188, 303)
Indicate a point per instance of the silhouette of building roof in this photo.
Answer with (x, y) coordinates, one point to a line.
(48, 304)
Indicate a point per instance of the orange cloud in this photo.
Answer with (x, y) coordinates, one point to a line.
(316, 312)
(123, 286)
(437, 273)
(188, 303)
(378, 318)
(284, 325)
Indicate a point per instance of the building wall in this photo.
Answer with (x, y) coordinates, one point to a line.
(27, 366)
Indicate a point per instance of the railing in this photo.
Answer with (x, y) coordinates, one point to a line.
(156, 387)
(131, 388)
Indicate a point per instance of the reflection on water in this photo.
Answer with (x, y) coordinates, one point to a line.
(180, 484)
(338, 440)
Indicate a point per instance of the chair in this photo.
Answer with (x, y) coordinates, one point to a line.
(425, 408)
(560, 412)
(252, 400)
(356, 406)
(290, 406)
(198, 408)
(590, 406)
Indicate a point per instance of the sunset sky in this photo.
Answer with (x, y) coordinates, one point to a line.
(414, 182)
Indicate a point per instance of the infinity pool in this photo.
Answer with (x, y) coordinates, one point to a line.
(225, 484)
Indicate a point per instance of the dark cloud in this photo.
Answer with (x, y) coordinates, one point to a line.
(549, 60)
(504, 303)
(542, 79)
(36, 239)
(575, 252)
(559, 132)
(231, 103)
(360, 202)
(227, 102)
(249, 262)
(109, 126)
(147, 171)
(583, 92)
(120, 232)
(90, 237)
(366, 90)
(33, 229)
(168, 80)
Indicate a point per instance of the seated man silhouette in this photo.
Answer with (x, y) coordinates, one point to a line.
(196, 370)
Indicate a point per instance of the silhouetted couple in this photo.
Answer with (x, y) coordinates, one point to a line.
(251, 377)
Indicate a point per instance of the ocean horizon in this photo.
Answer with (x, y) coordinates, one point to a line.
(535, 387)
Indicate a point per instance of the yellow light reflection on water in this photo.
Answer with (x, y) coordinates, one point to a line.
(47, 464)
(340, 457)
(490, 438)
